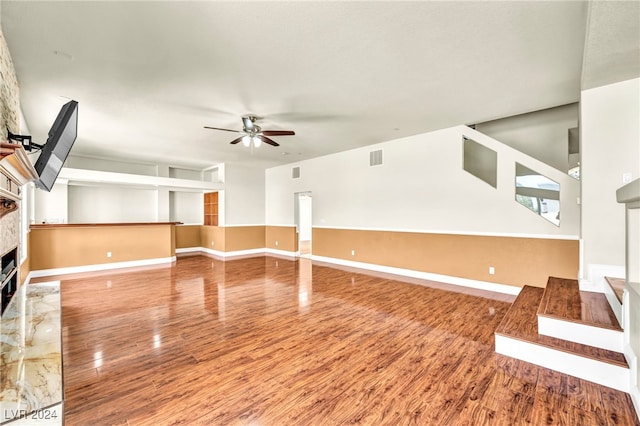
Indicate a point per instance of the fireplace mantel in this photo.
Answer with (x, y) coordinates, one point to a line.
(16, 170)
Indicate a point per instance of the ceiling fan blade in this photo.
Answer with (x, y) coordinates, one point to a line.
(235, 141)
(278, 132)
(267, 140)
(218, 128)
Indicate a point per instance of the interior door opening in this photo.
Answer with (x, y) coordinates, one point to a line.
(303, 222)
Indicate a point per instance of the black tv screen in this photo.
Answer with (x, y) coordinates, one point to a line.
(54, 153)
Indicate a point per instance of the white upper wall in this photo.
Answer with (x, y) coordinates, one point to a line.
(112, 204)
(186, 207)
(421, 186)
(244, 196)
(610, 137)
(541, 134)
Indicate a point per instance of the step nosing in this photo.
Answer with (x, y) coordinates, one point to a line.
(587, 324)
(568, 351)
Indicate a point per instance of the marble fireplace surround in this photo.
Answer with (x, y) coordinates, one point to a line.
(31, 361)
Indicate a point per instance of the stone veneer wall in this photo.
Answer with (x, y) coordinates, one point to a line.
(9, 92)
(9, 117)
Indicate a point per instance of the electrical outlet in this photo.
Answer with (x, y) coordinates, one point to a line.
(276, 243)
(492, 270)
(626, 177)
(213, 243)
(353, 252)
(108, 254)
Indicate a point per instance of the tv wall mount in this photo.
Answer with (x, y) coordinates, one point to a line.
(24, 140)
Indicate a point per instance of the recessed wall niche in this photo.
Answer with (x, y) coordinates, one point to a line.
(480, 161)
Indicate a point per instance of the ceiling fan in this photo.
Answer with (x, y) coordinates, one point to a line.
(253, 134)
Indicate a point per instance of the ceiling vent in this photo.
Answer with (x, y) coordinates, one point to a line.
(295, 172)
(375, 158)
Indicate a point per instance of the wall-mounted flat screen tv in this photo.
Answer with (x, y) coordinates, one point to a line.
(54, 153)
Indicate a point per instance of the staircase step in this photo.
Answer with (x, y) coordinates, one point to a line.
(583, 317)
(517, 336)
(563, 300)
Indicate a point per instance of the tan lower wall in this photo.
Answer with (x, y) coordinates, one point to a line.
(61, 247)
(188, 236)
(517, 261)
(212, 237)
(285, 236)
(244, 238)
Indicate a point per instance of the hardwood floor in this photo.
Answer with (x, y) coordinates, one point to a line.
(267, 341)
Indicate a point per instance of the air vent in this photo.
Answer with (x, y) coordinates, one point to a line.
(295, 172)
(375, 158)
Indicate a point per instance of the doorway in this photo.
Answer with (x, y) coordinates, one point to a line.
(303, 213)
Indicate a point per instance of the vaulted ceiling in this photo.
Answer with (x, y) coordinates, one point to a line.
(149, 75)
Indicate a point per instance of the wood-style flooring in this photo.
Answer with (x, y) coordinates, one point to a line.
(267, 341)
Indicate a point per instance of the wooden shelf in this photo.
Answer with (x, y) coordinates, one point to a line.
(211, 208)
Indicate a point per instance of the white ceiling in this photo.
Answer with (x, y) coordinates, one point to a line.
(149, 75)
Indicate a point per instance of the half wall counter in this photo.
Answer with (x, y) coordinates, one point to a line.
(82, 247)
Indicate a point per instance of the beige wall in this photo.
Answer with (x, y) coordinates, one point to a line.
(225, 239)
(60, 247)
(285, 236)
(212, 237)
(188, 236)
(244, 238)
(517, 261)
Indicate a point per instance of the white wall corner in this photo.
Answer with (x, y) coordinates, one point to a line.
(595, 281)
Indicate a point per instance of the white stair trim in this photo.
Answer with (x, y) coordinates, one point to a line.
(602, 373)
(585, 334)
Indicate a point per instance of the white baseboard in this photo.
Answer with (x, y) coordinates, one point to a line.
(635, 397)
(465, 282)
(288, 254)
(602, 373)
(634, 390)
(99, 267)
(238, 253)
(598, 337)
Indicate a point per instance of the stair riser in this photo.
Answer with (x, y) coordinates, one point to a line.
(598, 337)
(613, 376)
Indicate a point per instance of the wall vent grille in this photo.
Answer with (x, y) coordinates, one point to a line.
(295, 172)
(375, 158)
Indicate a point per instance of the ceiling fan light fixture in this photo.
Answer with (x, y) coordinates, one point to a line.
(252, 134)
